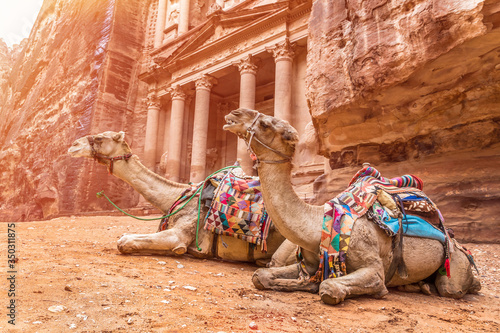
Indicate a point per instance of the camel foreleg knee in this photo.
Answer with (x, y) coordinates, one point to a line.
(461, 280)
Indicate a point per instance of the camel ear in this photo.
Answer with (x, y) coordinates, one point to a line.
(119, 137)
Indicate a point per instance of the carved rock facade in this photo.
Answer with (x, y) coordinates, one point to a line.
(412, 87)
(76, 75)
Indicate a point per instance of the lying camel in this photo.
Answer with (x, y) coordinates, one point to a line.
(370, 249)
(110, 149)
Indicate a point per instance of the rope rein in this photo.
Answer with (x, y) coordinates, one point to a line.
(198, 190)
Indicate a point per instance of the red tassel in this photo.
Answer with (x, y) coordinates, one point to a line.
(253, 157)
(447, 267)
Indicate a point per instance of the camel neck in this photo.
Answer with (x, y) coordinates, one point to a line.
(160, 192)
(296, 220)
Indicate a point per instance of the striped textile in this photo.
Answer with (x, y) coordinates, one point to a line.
(403, 181)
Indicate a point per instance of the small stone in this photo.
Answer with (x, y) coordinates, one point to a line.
(68, 288)
(190, 288)
(294, 319)
(165, 301)
(130, 321)
(72, 326)
(180, 266)
(253, 325)
(37, 322)
(162, 263)
(57, 308)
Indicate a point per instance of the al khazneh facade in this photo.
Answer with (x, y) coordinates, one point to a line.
(224, 54)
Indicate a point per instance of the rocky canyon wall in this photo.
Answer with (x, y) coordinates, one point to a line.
(412, 86)
(76, 75)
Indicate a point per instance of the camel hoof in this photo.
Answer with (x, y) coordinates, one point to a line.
(475, 286)
(125, 245)
(331, 293)
(256, 280)
(181, 249)
(425, 288)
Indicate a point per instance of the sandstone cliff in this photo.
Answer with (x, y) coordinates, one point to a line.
(412, 86)
(76, 75)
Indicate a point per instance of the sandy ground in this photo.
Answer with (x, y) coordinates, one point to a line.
(73, 262)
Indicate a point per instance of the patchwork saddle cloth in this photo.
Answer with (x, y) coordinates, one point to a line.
(238, 210)
(384, 200)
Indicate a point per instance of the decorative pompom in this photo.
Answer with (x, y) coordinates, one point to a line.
(447, 267)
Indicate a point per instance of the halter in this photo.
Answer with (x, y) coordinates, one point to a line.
(248, 141)
(98, 156)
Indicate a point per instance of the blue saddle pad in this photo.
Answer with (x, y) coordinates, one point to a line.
(417, 227)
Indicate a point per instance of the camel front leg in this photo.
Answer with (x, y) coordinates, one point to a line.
(364, 281)
(170, 241)
(285, 255)
(285, 278)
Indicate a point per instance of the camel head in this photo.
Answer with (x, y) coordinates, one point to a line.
(272, 140)
(103, 147)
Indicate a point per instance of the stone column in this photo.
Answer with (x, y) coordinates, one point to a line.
(183, 17)
(175, 133)
(160, 22)
(283, 56)
(248, 71)
(200, 127)
(150, 144)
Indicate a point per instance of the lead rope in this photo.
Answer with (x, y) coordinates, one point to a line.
(101, 194)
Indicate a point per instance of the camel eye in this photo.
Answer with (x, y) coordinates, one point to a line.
(98, 139)
(264, 124)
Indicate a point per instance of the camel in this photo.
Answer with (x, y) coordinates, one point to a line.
(111, 150)
(370, 250)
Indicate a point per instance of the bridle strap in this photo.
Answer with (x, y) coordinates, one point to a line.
(98, 156)
(248, 141)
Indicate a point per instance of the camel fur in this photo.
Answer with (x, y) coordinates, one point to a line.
(370, 249)
(179, 238)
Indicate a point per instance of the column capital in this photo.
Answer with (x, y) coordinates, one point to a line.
(205, 82)
(283, 50)
(153, 101)
(247, 65)
(177, 92)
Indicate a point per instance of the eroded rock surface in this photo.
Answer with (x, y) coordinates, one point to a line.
(74, 76)
(412, 87)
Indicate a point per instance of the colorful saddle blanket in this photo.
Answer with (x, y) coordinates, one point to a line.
(238, 210)
(360, 197)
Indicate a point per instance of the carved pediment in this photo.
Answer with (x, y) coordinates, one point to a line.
(224, 23)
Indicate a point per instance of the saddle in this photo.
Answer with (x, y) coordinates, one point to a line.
(398, 206)
(237, 210)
